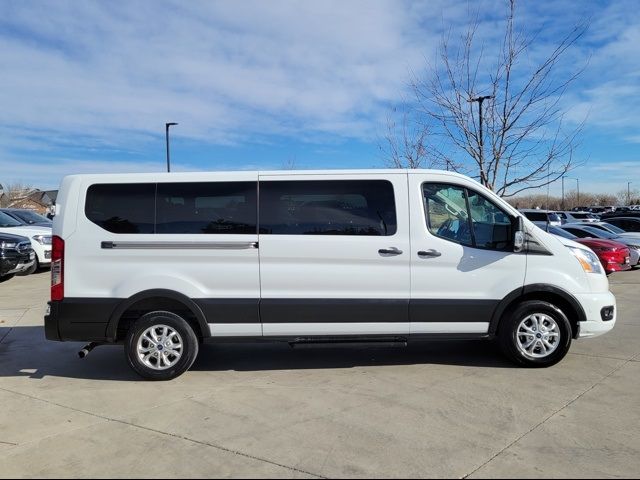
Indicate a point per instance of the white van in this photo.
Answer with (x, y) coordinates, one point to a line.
(161, 262)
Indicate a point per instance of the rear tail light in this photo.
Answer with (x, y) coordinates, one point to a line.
(57, 268)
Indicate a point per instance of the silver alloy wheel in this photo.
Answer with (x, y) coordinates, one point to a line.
(538, 336)
(160, 347)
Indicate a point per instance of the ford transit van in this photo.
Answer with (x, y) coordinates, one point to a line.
(162, 262)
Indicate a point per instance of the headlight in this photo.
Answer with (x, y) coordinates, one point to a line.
(589, 260)
(43, 239)
(8, 245)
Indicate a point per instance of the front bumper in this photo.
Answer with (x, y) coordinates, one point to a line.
(16, 264)
(593, 305)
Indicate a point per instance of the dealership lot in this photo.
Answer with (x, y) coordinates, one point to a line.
(433, 409)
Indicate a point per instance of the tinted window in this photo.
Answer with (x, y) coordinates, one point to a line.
(579, 233)
(536, 216)
(600, 233)
(222, 208)
(336, 207)
(561, 233)
(8, 221)
(122, 208)
(581, 215)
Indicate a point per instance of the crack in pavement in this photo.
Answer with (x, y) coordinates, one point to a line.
(14, 325)
(549, 417)
(181, 437)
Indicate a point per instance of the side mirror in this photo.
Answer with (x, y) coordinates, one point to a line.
(518, 236)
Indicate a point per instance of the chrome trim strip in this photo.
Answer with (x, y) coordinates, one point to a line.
(179, 245)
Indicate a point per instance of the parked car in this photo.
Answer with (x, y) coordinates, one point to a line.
(628, 224)
(631, 214)
(572, 217)
(608, 227)
(16, 255)
(587, 231)
(536, 215)
(161, 262)
(40, 238)
(27, 217)
(614, 256)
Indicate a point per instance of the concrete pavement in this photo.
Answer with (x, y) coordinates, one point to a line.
(453, 409)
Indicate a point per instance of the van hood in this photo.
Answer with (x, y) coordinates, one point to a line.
(570, 243)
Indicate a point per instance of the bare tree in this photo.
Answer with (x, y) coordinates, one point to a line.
(517, 141)
(290, 163)
(15, 191)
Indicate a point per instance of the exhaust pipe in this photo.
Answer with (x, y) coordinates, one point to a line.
(87, 349)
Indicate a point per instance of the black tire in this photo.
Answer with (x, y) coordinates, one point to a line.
(508, 333)
(31, 269)
(190, 345)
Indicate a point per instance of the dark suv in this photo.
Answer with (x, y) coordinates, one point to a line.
(16, 255)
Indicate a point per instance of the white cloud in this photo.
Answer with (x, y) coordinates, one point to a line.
(96, 76)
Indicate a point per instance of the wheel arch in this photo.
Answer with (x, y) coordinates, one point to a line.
(156, 299)
(540, 291)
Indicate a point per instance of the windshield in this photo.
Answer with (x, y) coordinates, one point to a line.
(561, 232)
(30, 217)
(613, 228)
(7, 221)
(600, 233)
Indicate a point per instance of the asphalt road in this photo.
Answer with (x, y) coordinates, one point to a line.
(453, 409)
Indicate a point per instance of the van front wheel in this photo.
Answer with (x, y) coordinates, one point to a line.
(535, 334)
(161, 346)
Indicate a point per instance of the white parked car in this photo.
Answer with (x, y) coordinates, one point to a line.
(161, 262)
(576, 217)
(40, 238)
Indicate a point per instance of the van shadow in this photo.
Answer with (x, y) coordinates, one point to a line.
(24, 352)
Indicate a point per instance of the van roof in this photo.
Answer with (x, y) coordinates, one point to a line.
(190, 174)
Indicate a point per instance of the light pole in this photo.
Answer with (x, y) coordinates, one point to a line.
(577, 183)
(629, 193)
(480, 100)
(167, 125)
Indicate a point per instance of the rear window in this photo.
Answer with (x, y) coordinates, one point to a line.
(536, 216)
(336, 207)
(201, 208)
(122, 208)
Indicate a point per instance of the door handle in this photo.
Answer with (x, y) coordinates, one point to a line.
(431, 253)
(390, 251)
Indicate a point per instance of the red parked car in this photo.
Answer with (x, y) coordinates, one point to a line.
(614, 256)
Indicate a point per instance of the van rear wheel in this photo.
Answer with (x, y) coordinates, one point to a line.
(161, 346)
(535, 334)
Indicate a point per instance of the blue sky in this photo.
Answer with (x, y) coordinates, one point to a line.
(87, 86)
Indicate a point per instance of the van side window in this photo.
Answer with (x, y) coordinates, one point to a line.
(207, 207)
(122, 208)
(327, 207)
(491, 226)
(464, 216)
(447, 215)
